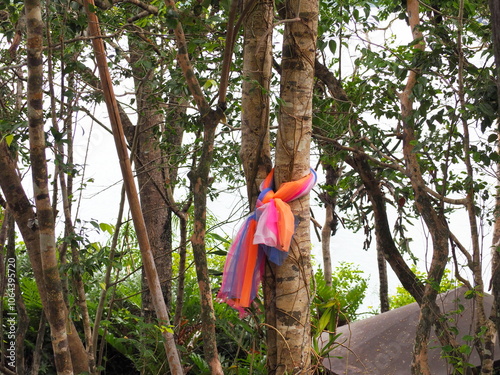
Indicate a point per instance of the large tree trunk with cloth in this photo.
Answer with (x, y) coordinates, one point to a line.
(292, 279)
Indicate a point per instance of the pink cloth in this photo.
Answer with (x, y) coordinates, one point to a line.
(266, 232)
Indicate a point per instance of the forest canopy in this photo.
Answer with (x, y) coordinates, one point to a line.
(134, 138)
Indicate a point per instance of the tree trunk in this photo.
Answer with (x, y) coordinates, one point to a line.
(326, 235)
(25, 217)
(153, 171)
(182, 271)
(384, 283)
(255, 153)
(483, 323)
(495, 277)
(21, 316)
(330, 226)
(292, 279)
(56, 308)
(199, 177)
(37, 351)
(200, 182)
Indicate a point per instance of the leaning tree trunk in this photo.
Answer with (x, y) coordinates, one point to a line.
(495, 25)
(131, 190)
(292, 279)
(56, 308)
(23, 212)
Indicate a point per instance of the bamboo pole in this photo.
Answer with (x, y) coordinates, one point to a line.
(131, 190)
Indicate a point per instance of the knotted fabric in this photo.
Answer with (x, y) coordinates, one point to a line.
(267, 232)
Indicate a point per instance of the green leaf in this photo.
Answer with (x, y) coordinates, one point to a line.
(324, 320)
(8, 139)
(213, 272)
(218, 237)
(218, 252)
(209, 83)
(332, 44)
(106, 227)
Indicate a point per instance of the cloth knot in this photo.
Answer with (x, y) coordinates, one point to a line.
(267, 231)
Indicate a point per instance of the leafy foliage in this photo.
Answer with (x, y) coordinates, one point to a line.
(403, 298)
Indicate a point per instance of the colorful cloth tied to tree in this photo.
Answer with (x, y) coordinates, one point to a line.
(267, 232)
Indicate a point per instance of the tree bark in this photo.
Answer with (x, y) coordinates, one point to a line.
(153, 171)
(292, 279)
(37, 351)
(495, 277)
(383, 281)
(255, 153)
(485, 346)
(56, 308)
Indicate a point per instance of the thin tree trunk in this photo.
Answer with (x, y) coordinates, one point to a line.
(495, 277)
(199, 180)
(179, 302)
(138, 219)
(107, 276)
(37, 351)
(21, 315)
(56, 309)
(385, 241)
(293, 295)
(326, 235)
(384, 283)
(330, 226)
(199, 177)
(485, 346)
